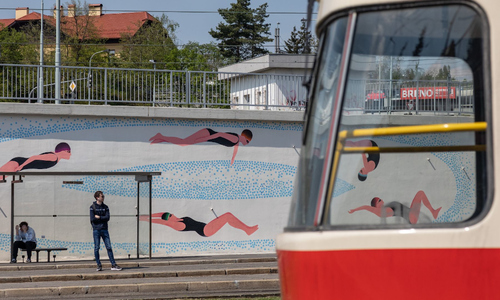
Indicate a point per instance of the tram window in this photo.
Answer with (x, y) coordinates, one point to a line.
(415, 66)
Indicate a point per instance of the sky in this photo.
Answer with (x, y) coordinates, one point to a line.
(195, 17)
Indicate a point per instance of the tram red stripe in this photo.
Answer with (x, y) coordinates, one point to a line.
(390, 274)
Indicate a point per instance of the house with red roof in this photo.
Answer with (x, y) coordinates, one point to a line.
(109, 28)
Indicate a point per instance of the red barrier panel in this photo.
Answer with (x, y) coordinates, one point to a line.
(440, 92)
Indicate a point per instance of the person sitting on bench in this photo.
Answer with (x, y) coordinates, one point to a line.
(25, 239)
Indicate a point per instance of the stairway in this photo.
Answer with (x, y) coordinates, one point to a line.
(159, 278)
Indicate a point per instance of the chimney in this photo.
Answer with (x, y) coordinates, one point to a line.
(21, 12)
(61, 11)
(71, 10)
(95, 10)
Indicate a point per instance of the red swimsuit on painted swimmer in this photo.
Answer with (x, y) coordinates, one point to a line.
(227, 139)
(45, 160)
(397, 209)
(203, 229)
(370, 161)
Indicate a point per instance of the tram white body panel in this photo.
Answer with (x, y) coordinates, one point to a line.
(460, 261)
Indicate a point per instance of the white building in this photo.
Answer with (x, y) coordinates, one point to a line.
(276, 79)
(268, 81)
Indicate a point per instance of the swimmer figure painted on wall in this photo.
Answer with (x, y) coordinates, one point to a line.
(370, 161)
(228, 139)
(203, 229)
(397, 209)
(45, 160)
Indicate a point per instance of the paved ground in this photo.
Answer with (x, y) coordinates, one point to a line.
(166, 278)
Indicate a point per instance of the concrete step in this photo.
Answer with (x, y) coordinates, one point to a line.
(136, 272)
(130, 263)
(255, 283)
(143, 279)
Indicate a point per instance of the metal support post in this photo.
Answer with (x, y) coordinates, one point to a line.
(106, 86)
(40, 70)
(267, 92)
(204, 90)
(58, 52)
(150, 213)
(11, 216)
(137, 212)
(188, 87)
(171, 89)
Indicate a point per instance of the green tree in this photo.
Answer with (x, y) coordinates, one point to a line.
(213, 58)
(153, 41)
(443, 73)
(292, 45)
(31, 51)
(306, 38)
(80, 37)
(10, 43)
(243, 33)
(194, 56)
(301, 41)
(260, 31)
(382, 67)
(204, 57)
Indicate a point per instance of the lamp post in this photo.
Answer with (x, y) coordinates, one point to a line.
(89, 78)
(58, 52)
(109, 51)
(40, 83)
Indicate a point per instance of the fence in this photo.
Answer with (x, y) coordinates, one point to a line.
(410, 96)
(225, 90)
(154, 87)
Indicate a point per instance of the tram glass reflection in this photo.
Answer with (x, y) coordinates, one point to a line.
(410, 67)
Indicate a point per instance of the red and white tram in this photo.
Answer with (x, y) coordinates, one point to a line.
(387, 204)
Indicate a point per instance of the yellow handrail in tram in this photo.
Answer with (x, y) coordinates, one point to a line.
(400, 130)
(418, 129)
(414, 149)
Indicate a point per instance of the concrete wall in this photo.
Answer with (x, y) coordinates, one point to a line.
(196, 178)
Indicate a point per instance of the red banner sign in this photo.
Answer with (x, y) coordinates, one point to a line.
(440, 92)
(375, 96)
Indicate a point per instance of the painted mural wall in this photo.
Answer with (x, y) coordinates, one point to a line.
(406, 188)
(225, 187)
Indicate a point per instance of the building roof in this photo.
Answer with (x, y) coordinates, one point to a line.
(30, 17)
(109, 26)
(114, 25)
(6, 22)
(271, 61)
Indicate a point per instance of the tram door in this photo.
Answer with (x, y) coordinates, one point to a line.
(58, 209)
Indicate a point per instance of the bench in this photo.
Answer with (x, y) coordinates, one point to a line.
(37, 250)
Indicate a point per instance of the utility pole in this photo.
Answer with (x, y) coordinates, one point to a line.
(277, 39)
(58, 52)
(40, 83)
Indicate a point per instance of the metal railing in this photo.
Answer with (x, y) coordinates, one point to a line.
(410, 96)
(83, 85)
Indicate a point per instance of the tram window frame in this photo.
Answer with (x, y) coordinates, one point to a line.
(295, 212)
(482, 87)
